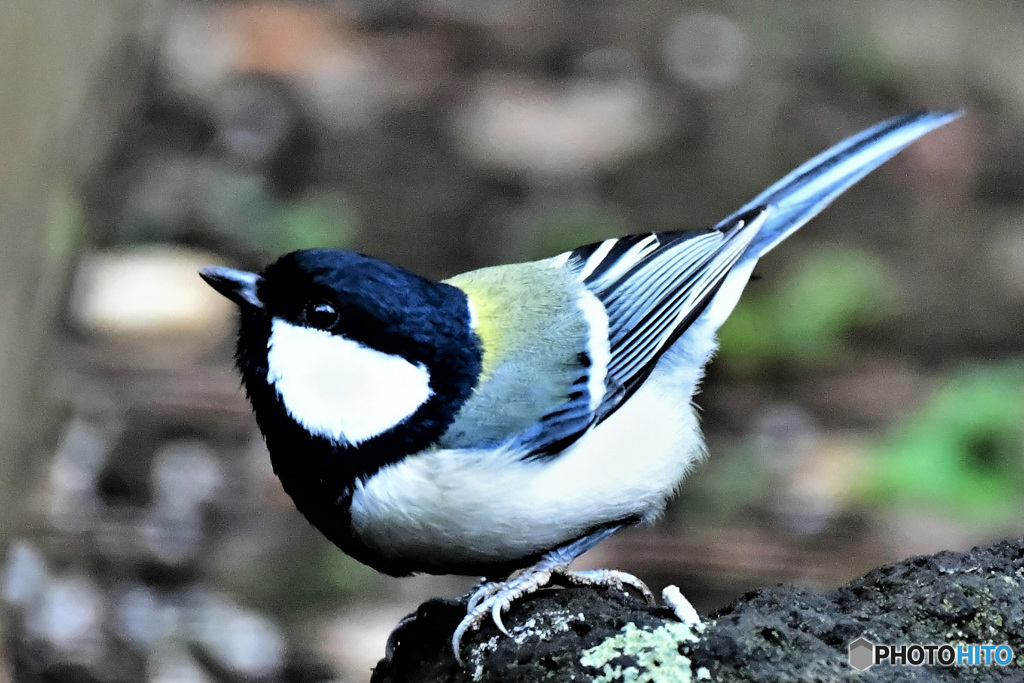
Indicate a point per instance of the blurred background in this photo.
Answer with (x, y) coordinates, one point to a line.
(867, 405)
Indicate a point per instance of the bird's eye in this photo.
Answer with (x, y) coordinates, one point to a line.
(320, 314)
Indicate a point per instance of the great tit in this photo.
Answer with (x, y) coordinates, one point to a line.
(509, 418)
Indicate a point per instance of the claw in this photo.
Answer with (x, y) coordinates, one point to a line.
(608, 578)
(471, 620)
(496, 610)
(497, 597)
(636, 584)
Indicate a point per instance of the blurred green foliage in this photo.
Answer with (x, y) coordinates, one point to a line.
(962, 452)
(241, 208)
(805, 318)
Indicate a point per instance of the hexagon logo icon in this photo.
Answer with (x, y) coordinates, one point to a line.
(862, 653)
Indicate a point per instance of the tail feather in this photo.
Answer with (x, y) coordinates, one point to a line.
(802, 194)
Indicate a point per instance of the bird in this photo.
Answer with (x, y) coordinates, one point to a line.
(504, 421)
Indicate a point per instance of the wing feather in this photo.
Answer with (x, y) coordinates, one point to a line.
(652, 286)
(660, 307)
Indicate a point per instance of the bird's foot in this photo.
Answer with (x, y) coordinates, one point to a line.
(484, 590)
(496, 597)
(606, 578)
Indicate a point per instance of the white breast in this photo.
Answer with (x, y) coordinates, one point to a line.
(471, 506)
(339, 389)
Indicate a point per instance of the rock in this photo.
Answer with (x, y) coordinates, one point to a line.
(781, 633)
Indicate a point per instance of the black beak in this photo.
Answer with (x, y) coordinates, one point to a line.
(237, 285)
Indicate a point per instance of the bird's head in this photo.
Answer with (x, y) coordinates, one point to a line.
(349, 351)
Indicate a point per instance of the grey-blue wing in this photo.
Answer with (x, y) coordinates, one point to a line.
(649, 289)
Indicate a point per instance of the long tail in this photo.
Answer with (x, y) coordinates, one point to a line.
(802, 194)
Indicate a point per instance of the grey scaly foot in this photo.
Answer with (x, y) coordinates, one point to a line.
(485, 590)
(607, 578)
(496, 597)
(500, 600)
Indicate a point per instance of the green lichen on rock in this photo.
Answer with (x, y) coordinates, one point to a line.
(638, 655)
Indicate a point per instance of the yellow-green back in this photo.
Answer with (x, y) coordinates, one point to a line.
(532, 334)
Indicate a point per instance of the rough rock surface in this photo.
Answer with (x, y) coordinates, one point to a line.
(782, 633)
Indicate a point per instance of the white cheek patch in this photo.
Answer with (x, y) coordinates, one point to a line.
(339, 389)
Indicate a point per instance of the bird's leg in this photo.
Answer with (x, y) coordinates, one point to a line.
(496, 597)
